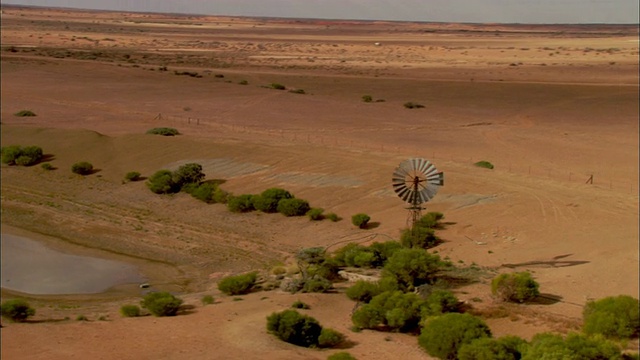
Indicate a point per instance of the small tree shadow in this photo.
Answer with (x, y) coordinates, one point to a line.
(47, 158)
(44, 321)
(346, 344)
(372, 225)
(186, 310)
(545, 299)
(215, 181)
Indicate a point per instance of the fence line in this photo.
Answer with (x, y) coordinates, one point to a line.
(595, 178)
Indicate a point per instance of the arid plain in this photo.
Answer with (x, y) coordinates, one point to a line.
(549, 106)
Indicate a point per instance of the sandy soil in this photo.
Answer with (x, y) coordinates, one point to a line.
(549, 106)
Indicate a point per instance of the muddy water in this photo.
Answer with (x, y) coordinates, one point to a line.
(30, 267)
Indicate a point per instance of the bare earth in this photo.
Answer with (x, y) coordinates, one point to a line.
(549, 106)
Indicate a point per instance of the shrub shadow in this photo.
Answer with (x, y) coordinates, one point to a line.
(347, 344)
(44, 321)
(215, 181)
(186, 310)
(372, 225)
(545, 299)
(47, 158)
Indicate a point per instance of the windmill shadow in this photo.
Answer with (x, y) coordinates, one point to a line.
(555, 261)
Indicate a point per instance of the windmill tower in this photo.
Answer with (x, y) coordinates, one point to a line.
(416, 181)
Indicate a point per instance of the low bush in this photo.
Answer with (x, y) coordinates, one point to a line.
(615, 317)
(243, 82)
(130, 310)
(22, 156)
(220, 196)
(293, 207)
(373, 256)
(316, 284)
(82, 168)
(442, 336)
(300, 305)
(360, 220)
(277, 86)
(367, 98)
(240, 203)
(315, 214)
(330, 338)
(162, 182)
(238, 284)
(419, 237)
(440, 302)
(363, 291)
(25, 113)
(392, 309)
(16, 310)
(574, 346)
(161, 303)
(294, 328)
(132, 176)
(47, 166)
(484, 164)
(504, 348)
(268, 200)
(515, 287)
(164, 131)
(333, 217)
(205, 192)
(343, 355)
(412, 105)
(207, 300)
(413, 267)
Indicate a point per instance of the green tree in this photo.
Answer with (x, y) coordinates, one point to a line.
(16, 310)
(330, 338)
(190, 173)
(162, 182)
(161, 303)
(440, 302)
(442, 336)
(614, 316)
(294, 328)
(505, 348)
(360, 220)
(240, 203)
(205, 192)
(82, 168)
(130, 310)
(547, 346)
(238, 284)
(419, 237)
(413, 267)
(293, 207)
(516, 287)
(269, 199)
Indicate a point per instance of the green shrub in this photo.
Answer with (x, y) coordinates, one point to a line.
(315, 214)
(25, 113)
(238, 284)
(82, 318)
(47, 166)
(516, 287)
(16, 310)
(190, 173)
(130, 310)
(293, 207)
(484, 164)
(373, 256)
(615, 317)
(413, 267)
(220, 196)
(164, 131)
(299, 305)
(363, 291)
(243, 82)
(330, 338)
(343, 355)
(161, 304)
(207, 300)
(393, 309)
(277, 86)
(316, 284)
(162, 182)
(574, 346)
(333, 217)
(269, 199)
(412, 105)
(294, 328)
(240, 203)
(132, 176)
(204, 192)
(419, 237)
(505, 348)
(442, 336)
(430, 220)
(82, 168)
(440, 302)
(22, 156)
(367, 98)
(360, 220)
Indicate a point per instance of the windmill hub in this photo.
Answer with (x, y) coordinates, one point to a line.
(416, 181)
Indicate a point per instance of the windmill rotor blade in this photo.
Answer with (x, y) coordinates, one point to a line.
(417, 181)
(408, 196)
(425, 166)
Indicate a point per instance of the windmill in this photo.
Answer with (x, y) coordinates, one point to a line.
(416, 181)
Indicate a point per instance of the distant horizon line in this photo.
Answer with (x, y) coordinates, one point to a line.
(310, 18)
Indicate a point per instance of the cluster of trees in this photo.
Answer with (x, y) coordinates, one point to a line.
(302, 330)
(422, 234)
(156, 303)
(22, 156)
